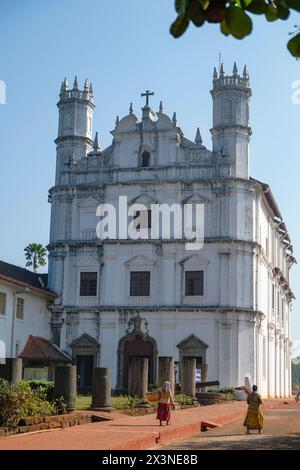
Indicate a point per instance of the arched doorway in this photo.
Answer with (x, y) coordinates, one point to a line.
(136, 345)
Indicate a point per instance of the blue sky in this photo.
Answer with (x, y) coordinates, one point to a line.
(124, 47)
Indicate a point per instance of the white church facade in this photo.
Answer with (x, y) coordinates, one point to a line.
(227, 304)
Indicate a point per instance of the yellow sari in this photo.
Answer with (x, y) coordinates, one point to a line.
(254, 418)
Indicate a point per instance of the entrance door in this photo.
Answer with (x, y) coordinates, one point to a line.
(138, 348)
(85, 366)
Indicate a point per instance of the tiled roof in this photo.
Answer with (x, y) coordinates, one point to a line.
(24, 276)
(41, 349)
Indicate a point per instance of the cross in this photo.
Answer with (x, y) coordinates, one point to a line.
(147, 94)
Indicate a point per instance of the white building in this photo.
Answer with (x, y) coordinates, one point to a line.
(25, 323)
(228, 304)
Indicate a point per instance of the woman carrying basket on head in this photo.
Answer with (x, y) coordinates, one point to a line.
(165, 403)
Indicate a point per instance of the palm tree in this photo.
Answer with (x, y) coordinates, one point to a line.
(35, 255)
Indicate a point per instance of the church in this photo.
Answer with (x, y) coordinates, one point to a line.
(228, 304)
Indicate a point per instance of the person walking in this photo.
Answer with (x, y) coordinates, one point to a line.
(254, 418)
(165, 403)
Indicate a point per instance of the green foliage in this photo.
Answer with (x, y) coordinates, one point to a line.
(44, 387)
(233, 16)
(296, 374)
(182, 399)
(20, 401)
(35, 254)
(125, 402)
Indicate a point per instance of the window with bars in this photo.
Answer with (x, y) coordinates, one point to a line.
(140, 283)
(2, 303)
(20, 309)
(194, 282)
(88, 284)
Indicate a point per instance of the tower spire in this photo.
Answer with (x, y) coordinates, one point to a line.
(75, 84)
(130, 109)
(96, 146)
(222, 73)
(198, 138)
(215, 74)
(235, 70)
(160, 107)
(174, 119)
(117, 121)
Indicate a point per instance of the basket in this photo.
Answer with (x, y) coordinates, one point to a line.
(153, 396)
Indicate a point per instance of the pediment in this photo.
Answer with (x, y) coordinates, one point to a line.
(140, 261)
(195, 260)
(143, 199)
(192, 342)
(85, 341)
(87, 262)
(195, 198)
(89, 202)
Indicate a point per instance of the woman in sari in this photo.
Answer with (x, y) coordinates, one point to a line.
(254, 418)
(165, 403)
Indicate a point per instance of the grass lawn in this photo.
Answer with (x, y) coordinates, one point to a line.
(83, 403)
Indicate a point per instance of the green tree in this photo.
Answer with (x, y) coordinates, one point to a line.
(35, 254)
(233, 16)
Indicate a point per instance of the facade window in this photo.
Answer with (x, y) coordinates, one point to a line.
(194, 283)
(2, 303)
(140, 283)
(20, 309)
(88, 284)
(145, 159)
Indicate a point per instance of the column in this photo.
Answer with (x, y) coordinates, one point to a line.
(188, 386)
(65, 385)
(138, 376)
(101, 389)
(166, 371)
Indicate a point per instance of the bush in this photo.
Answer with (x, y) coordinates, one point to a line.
(20, 401)
(43, 386)
(182, 399)
(125, 402)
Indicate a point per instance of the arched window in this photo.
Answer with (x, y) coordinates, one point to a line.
(145, 159)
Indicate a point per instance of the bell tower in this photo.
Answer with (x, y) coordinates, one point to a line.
(231, 132)
(75, 125)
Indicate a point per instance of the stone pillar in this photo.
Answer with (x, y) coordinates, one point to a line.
(16, 370)
(101, 389)
(65, 385)
(138, 376)
(188, 374)
(166, 371)
(204, 370)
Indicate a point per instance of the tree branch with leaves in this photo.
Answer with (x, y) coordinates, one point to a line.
(233, 16)
(35, 254)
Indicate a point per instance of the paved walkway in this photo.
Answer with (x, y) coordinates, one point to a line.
(281, 432)
(130, 433)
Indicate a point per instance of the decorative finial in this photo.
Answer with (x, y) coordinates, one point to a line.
(86, 85)
(174, 119)
(75, 84)
(215, 74)
(117, 121)
(160, 107)
(130, 109)
(147, 94)
(96, 146)
(198, 138)
(91, 89)
(235, 70)
(245, 72)
(64, 86)
(222, 73)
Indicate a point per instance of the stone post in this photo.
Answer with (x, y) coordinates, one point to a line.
(16, 370)
(204, 370)
(166, 371)
(188, 376)
(65, 385)
(101, 389)
(138, 376)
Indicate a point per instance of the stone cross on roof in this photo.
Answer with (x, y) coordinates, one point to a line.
(147, 94)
